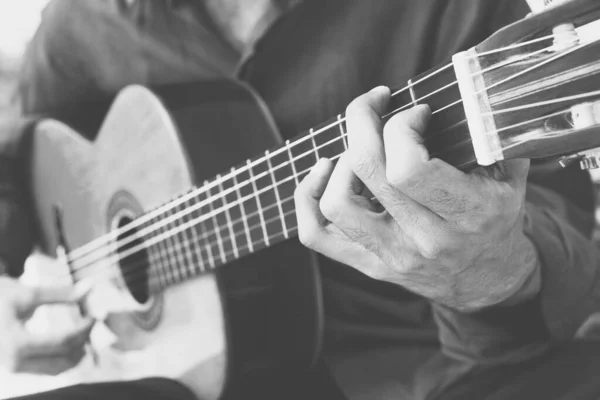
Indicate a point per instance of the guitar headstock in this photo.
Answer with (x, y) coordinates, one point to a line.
(532, 90)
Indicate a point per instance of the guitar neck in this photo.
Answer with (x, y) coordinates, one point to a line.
(251, 207)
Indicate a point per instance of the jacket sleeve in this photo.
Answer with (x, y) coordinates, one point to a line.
(569, 292)
(17, 229)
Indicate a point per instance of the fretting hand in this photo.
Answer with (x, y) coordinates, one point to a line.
(22, 351)
(453, 237)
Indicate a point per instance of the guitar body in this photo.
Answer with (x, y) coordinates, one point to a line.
(217, 331)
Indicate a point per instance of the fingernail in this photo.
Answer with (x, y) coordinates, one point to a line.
(380, 90)
(320, 165)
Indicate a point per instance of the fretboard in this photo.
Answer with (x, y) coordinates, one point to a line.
(251, 207)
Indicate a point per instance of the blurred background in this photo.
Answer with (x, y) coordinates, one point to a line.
(18, 21)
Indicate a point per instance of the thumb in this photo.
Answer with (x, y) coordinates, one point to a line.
(31, 297)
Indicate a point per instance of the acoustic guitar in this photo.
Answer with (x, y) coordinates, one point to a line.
(172, 218)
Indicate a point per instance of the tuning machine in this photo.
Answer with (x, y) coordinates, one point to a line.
(587, 160)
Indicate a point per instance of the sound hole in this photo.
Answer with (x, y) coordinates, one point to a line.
(134, 265)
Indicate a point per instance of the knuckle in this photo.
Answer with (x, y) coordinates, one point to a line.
(355, 107)
(332, 207)
(432, 249)
(447, 200)
(363, 165)
(395, 176)
(308, 237)
(299, 192)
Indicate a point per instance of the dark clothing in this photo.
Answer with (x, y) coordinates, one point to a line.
(311, 63)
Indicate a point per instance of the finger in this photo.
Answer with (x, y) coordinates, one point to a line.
(307, 196)
(29, 298)
(50, 365)
(355, 215)
(58, 344)
(436, 185)
(365, 144)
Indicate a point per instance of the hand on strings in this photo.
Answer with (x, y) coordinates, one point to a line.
(22, 351)
(456, 238)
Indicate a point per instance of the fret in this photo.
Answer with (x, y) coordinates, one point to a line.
(206, 226)
(196, 260)
(401, 100)
(184, 247)
(267, 193)
(244, 217)
(258, 204)
(227, 205)
(291, 162)
(429, 91)
(311, 133)
(342, 133)
(212, 207)
(155, 267)
(286, 177)
(174, 244)
(249, 199)
(276, 190)
(328, 139)
(442, 126)
(163, 247)
(301, 154)
(411, 90)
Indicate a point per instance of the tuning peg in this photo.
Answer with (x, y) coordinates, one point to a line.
(569, 160)
(589, 162)
(537, 6)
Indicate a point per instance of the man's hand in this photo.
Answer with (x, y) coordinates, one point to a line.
(453, 237)
(21, 351)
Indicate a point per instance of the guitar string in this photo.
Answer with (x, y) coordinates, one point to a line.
(438, 110)
(77, 252)
(176, 216)
(130, 270)
(220, 195)
(426, 96)
(142, 281)
(219, 211)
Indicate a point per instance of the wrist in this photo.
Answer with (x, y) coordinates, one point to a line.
(531, 285)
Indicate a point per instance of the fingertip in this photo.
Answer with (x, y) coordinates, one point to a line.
(423, 111)
(380, 91)
(323, 167)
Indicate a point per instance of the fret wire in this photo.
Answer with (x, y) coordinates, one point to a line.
(179, 262)
(207, 246)
(204, 232)
(411, 90)
(262, 219)
(155, 263)
(276, 190)
(342, 133)
(289, 151)
(199, 264)
(189, 266)
(170, 274)
(312, 139)
(228, 219)
(243, 209)
(217, 231)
